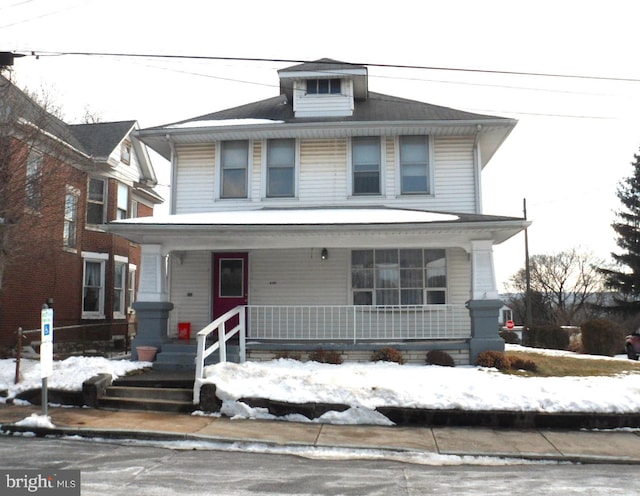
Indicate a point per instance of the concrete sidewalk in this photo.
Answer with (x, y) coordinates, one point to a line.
(533, 444)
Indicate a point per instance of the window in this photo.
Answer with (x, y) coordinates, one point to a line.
(33, 193)
(398, 277)
(281, 160)
(414, 164)
(131, 285)
(96, 201)
(123, 201)
(69, 237)
(234, 164)
(93, 290)
(119, 289)
(323, 86)
(125, 152)
(366, 165)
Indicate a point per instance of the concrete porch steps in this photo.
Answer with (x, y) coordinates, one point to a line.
(181, 355)
(151, 391)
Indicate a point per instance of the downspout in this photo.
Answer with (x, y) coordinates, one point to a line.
(174, 175)
(477, 168)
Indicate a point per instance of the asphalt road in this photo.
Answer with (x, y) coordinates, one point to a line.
(115, 469)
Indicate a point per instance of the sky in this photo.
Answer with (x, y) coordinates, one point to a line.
(575, 138)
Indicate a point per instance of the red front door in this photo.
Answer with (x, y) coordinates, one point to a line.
(230, 283)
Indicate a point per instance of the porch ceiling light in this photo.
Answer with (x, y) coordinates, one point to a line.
(324, 254)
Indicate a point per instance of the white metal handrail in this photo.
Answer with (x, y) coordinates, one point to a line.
(203, 351)
(358, 322)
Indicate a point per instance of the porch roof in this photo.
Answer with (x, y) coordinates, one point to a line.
(338, 227)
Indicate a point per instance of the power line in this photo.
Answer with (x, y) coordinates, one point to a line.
(299, 61)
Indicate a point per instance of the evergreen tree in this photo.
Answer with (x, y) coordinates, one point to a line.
(626, 280)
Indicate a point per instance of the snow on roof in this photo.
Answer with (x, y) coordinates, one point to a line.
(320, 216)
(221, 123)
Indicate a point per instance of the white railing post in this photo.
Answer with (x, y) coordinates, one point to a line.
(222, 339)
(243, 335)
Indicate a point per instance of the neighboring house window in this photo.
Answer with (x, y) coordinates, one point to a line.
(96, 201)
(119, 289)
(366, 165)
(125, 152)
(93, 287)
(323, 86)
(414, 164)
(131, 286)
(70, 218)
(33, 191)
(123, 201)
(398, 277)
(281, 161)
(234, 162)
(134, 209)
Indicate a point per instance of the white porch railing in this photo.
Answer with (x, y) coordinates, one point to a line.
(203, 351)
(358, 323)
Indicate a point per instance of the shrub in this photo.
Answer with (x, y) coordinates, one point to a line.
(493, 358)
(439, 357)
(287, 355)
(551, 337)
(602, 337)
(387, 355)
(509, 336)
(517, 363)
(326, 356)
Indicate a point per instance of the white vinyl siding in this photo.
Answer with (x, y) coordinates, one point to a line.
(195, 178)
(323, 171)
(190, 290)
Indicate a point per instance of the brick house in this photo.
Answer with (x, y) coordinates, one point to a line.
(61, 184)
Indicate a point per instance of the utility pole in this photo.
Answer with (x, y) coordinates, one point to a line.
(527, 270)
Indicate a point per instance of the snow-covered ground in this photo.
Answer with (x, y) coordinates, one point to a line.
(366, 386)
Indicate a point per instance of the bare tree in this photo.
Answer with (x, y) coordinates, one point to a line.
(566, 287)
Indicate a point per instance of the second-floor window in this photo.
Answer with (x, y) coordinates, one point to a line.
(33, 190)
(414, 165)
(123, 201)
(70, 220)
(366, 165)
(281, 161)
(234, 164)
(96, 201)
(323, 86)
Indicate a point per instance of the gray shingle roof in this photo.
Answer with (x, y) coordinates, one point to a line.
(377, 107)
(100, 139)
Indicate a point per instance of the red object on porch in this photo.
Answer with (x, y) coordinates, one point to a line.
(184, 330)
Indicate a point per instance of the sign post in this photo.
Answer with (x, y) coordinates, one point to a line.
(46, 352)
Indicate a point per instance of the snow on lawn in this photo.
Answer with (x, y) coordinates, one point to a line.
(68, 375)
(366, 386)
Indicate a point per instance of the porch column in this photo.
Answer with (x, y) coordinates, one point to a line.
(152, 306)
(484, 306)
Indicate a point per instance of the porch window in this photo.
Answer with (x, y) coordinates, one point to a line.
(414, 164)
(366, 165)
(281, 160)
(93, 289)
(234, 164)
(398, 277)
(96, 201)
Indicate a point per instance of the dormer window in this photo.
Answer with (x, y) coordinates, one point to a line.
(324, 86)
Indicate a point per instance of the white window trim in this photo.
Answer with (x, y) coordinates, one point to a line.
(102, 259)
(71, 190)
(383, 169)
(124, 261)
(430, 171)
(265, 173)
(218, 176)
(131, 285)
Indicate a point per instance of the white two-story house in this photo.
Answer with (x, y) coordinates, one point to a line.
(335, 216)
